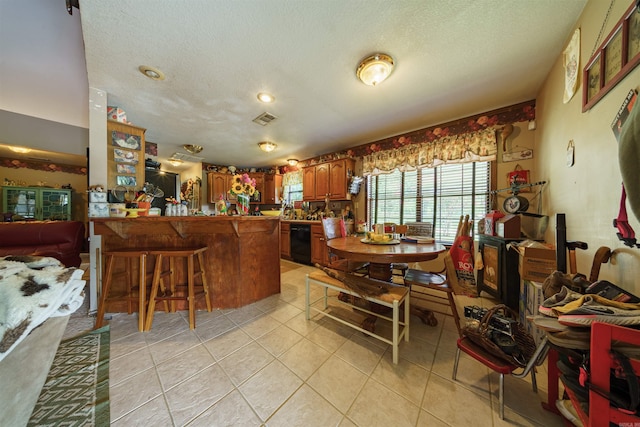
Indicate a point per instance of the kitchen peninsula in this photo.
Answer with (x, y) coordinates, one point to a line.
(242, 263)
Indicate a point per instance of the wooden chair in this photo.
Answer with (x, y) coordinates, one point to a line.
(334, 228)
(423, 284)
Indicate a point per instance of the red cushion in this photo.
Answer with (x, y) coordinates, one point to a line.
(484, 357)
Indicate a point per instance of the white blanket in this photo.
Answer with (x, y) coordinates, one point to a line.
(32, 289)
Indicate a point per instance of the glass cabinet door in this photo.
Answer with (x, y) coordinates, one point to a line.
(21, 201)
(55, 204)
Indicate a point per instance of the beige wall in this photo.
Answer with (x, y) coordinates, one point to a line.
(589, 192)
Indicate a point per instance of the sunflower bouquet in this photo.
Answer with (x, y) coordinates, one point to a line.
(243, 184)
(243, 187)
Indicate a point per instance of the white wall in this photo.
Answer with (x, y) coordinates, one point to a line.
(589, 192)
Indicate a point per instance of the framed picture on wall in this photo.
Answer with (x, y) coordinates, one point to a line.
(613, 59)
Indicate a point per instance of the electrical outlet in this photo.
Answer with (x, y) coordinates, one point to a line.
(334, 205)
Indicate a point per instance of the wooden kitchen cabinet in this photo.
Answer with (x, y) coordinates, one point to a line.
(327, 180)
(319, 250)
(272, 187)
(285, 242)
(217, 184)
(309, 184)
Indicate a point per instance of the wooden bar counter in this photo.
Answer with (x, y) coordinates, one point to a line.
(242, 263)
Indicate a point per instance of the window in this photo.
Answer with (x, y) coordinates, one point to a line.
(293, 193)
(437, 195)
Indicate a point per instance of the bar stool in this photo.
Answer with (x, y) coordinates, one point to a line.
(128, 255)
(170, 294)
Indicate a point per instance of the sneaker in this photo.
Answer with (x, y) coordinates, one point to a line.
(562, 298)
(568, 411)
(597, 309)
(574, 338)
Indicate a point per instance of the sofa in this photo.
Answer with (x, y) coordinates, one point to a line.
(62, 240)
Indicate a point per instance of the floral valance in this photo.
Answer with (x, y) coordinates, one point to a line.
(292, 178)
(469, 147)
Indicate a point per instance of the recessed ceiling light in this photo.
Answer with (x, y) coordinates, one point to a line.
(151, 72)
(266, 97)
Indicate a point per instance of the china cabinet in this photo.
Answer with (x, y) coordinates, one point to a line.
(39, 203)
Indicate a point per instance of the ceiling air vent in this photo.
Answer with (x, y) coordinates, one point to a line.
(187, 157)
(264, 119)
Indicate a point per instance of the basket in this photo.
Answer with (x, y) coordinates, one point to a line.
(481, 332)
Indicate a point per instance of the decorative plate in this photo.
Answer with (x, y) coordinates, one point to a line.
(373, 242)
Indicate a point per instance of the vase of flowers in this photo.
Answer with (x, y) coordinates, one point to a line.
(243, 187)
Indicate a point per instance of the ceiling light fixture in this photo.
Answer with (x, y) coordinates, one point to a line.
(292, 162)
(175, 162)
(267, 98)
(193, 149)
(151, 72)
(374, 69)
(21, 150)
(267, 146)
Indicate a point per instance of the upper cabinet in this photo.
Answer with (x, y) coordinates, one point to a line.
(272, 188)
(327, 180)
(219, 184)
(267, 186)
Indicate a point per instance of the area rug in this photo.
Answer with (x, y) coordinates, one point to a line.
(76, 391)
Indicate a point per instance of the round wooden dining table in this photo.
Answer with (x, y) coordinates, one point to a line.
(381, 256)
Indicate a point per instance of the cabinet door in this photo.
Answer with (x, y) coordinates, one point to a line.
(318, 246)
(338, 180)
(55, 204)
(285, 242)
(216, 186)
(272, 184)
(20, 201)
(258, 197)
(322, 181)
(309, 183)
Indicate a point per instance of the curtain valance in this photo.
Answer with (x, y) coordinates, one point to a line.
(292, 178)
(464, 148)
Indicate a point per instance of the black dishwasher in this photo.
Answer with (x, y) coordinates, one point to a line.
(301, 243)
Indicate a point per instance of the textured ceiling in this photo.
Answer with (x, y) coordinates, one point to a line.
(454, 58)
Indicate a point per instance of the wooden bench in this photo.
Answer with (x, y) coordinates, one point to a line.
(393, 299)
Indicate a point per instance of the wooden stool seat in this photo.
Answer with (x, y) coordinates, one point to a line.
(169, 293)
(127, 255)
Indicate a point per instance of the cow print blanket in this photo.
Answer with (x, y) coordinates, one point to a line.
(32, 289)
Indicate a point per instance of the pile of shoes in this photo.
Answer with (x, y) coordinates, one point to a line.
(602, 302)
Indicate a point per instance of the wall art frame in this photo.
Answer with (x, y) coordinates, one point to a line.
(618, 54)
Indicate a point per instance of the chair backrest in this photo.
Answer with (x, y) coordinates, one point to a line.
(333, 227)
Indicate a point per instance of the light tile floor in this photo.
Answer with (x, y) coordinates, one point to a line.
(264, 364)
